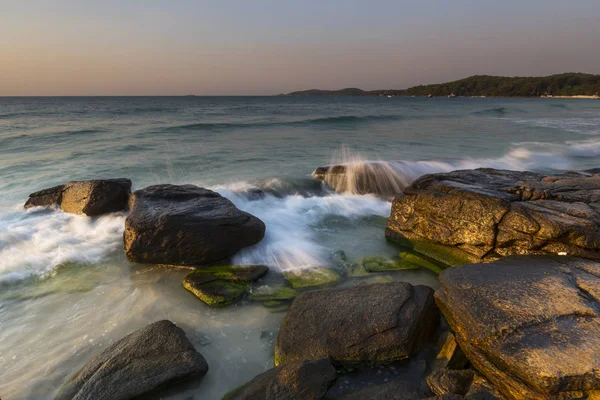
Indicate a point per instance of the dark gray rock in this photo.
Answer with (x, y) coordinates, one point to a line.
(186, 225)
(450, 381)
(530, 325)
(491, 213)
(363, 325)
(395, 390)
(152, 358)
(481, 389)
(450, 355)
(92, 198)
(301, 380)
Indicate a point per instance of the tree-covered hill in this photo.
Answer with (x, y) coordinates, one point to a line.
(567, 84)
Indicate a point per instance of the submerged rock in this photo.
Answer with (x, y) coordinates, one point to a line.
(491, 213)
(362, 325)
(91, 198)
(223, 285)
(301, 380)
(380, 263)
(149, 359)
(186, 225)
(311, 277)
(529, 324)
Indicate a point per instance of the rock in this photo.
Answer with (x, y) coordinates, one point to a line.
(91, 198)
(491, 213)
(421, 261)
(362, 177)
(301, 380)
(271, 293)
(357, 326)
(379, 264)
(450, 355)
(150, 358)
(223, 285)
(481, 389)
(450, 381)
(186, 225)
(446, 397)
(311, 277)
(530, 325)
(395, 390)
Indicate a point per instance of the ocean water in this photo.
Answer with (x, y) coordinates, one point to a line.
(66, 290)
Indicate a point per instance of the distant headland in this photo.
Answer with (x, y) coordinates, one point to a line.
(567, 85)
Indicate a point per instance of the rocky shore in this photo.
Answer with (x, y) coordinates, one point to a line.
(516, 315)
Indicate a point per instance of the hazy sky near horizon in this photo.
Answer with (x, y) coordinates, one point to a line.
(152, 47)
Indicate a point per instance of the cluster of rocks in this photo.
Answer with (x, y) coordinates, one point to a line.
(521, 327)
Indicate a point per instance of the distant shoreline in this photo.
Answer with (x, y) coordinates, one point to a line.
(565, 86)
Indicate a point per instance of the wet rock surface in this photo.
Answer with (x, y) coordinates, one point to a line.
(301, 380)
(186, 225)
(362, 325)
(220, 286)
(529, 324)
(492, 213)
(149, 359)
(91, 198)
(450, 381)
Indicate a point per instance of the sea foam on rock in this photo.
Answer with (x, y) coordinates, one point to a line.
(362, 325)
(490, 213)
(529, 324)
(186, 225)
(91, 198)
(149, 359)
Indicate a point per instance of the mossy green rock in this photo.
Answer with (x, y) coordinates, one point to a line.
(312, 277)
(378, 264)
(271, 293)
(451, 256)
(421, 262)
(220, 286)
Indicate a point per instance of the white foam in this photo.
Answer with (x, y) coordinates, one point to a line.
(289, 241)
(35, 242)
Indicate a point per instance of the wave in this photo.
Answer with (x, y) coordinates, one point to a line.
(35, 242)
(584, 126)
(329, 121)
(499, 111)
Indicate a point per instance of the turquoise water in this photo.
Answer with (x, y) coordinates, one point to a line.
(67, 290)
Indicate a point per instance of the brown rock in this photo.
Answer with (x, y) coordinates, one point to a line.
(91, 198)
(530, 325)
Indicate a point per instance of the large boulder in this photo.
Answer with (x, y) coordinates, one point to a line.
(186, 225)
(149, 359)
(395, 390)
(529, 324)
(491, 213)
(363, 325)
(296, 380)
(92, 198)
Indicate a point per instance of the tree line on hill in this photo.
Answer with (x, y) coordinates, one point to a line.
(567, 84)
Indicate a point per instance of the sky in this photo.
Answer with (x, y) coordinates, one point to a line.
(260, 47)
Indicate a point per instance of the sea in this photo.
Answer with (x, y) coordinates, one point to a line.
(66, 290)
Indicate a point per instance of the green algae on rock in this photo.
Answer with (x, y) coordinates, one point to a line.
(420, 261)
(311, 277)
(220, 286)
(380, 263)
(271, 293)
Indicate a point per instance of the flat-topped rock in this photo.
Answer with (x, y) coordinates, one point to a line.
(492, 213)
(154, 357)
(301, 380)
(186, 225)
(222, 285)
(91, 198)
(529, 324)
(362, 325)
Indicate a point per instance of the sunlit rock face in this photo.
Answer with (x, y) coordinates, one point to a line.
(530, 324)
(492, 213)
(91, 198)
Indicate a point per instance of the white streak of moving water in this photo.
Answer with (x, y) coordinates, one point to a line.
(35, 242)
(289, 241)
